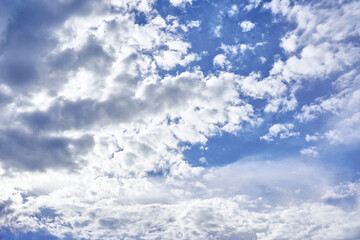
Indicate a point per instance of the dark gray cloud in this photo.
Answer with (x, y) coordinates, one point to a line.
(17, 72)
(5, 208)
(113, 223)
(82, 114)
(27, 65)
(29, 37)
(92, 56)
(4, 99)
(29, 151)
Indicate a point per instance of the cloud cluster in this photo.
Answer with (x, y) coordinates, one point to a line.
(320, 48)
(231, 208)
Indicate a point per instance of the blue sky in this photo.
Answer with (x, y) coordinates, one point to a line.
(179, 119)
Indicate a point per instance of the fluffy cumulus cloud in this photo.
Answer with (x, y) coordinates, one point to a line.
(180, 2)
(311, 151)
(221, 61)
(281, 130)
(149, 119)
(247, 26)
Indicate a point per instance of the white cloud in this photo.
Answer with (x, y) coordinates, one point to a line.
(317, 61)
(217, 31)
(124, 93)
(169, 59)
(221, 61)
(289, 43)
(180, 2)
(234, 50)
(252, 4)
(233, 11)
(345, 131)
(278, 6)
(318, 42)
(316, 48)
(256, 87)
(247, 26)
(132, 207)
(281, 130)
(312, 138)
(202, 160)
(159, 21)
(311, 151)
(342, 191)
(193, 24)
(344, 109)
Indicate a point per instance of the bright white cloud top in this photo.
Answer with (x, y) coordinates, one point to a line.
(247, 26)
(180, 119)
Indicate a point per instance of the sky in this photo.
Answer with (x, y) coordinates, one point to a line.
(179, 119)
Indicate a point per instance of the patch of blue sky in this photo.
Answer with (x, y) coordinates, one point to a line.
(344, 160)
(268, 31)
(47, 213)
(205, 38)
(246, 145)
(140, 18)
(39, 235)
(227, 148)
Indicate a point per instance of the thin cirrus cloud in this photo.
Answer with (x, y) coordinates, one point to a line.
(117, 116)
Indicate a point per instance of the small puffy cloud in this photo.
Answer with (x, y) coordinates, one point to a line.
(317, 61)
(288, 43)
(263, 59)
(334, 136)
(342, 191)
(233, 11)
(342, 107)
(282, 104)
(333, 105)
(180, 2)
(252, 4)
(256, 87)
(217, 31)
(234, 50)
(278, 6)
(159, 21)
(281, 130)
(178, 46)
(247, 26)
(312, 138)
(311, 152)
(345, 131)
(202, 160)
(169, 59)
(221, 61)
(318, 37)
(193, 24)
